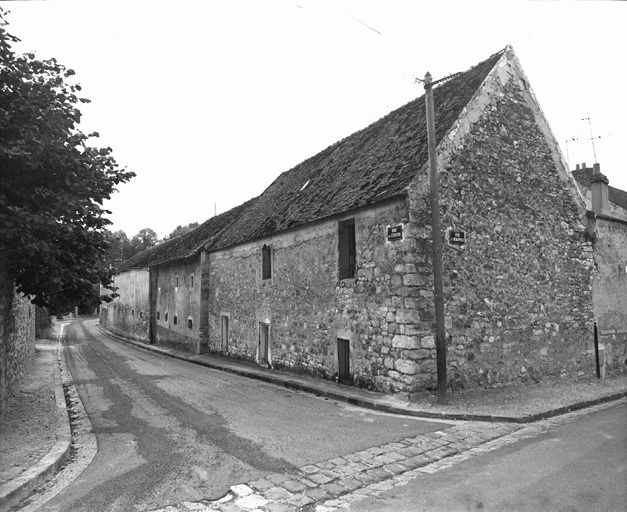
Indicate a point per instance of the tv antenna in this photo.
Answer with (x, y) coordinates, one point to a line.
(572, 139)
(592, 139)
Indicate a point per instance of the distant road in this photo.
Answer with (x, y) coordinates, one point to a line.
(170, 431)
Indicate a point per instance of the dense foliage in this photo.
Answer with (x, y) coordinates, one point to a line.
(52, 184)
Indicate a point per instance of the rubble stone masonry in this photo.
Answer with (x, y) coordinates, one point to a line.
(17, 336)
(518, 293)
(308, 307)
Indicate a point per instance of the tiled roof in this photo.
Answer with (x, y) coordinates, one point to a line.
(615, 195)
(188, 244)
(371, 165)
(367, 167)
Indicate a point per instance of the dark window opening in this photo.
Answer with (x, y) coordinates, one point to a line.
(158, 315)
(190, 323)
(132, 312)
(141, 314)
(166, 317)
(176, 320)
(266, 262)
(347, 261)
(191, 281)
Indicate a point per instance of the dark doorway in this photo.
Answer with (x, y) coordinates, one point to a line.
(264, 340)
(343, 359)
(224, 340)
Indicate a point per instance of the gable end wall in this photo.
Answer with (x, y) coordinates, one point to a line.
(518, 293)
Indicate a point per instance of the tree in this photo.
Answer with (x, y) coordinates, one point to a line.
(52, 184)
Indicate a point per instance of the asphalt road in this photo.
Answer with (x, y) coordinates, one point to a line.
(578, 467)
(169, 431)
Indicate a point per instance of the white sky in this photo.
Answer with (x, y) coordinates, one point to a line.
(208, 102)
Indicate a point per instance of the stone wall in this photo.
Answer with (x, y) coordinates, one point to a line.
(518, 292)
(307, 306)
(129, 314)
(609, 290)
(17, 337)
(177, 305)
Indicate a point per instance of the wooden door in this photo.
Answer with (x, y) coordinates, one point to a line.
(343, 359)
(263, 343)
(224, 345)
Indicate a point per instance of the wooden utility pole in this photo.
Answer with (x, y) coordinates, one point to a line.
(438, 287)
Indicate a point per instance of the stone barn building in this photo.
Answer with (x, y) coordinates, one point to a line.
(329, 270)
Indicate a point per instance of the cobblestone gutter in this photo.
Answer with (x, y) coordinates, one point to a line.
(331, 485)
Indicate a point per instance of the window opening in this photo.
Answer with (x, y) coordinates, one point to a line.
(347, 260)
(266, 262)
(190, 323)
(176, 320)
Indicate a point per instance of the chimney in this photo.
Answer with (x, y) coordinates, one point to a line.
(599, 191)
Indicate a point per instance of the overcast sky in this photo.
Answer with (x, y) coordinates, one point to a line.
(208, 102)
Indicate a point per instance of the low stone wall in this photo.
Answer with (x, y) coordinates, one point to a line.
(17, 337)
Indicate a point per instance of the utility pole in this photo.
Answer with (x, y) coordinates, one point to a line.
(438, 286)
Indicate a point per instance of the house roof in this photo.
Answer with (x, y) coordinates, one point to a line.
(615, 195)
(369, 166)
(187, 244)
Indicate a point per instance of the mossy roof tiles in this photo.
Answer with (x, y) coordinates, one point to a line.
(371, 165)
(367, 167)
(188, 244)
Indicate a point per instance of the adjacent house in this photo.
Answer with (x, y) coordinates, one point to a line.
(607, 225)
(329, 271)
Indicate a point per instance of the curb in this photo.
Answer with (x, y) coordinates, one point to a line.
(370, 404)
(20, 487)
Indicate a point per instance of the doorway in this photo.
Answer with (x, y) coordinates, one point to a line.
(224, 337)
(343, 361)
(264, 341)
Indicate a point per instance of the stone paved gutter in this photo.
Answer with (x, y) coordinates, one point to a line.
(332, 485)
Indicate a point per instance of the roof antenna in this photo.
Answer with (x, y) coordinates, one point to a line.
(592, 139)
(567, 156)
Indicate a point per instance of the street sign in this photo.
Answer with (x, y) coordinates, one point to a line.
(395, 233)
(456, 237)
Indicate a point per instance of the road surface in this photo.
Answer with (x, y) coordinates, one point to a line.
(169, 431)
(577, 467)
